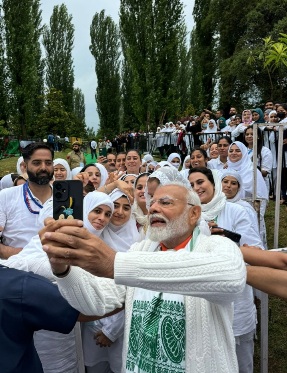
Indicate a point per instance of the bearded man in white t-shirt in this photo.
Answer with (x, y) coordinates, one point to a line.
(20, 205)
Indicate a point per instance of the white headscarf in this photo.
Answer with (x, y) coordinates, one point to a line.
(120, 238)
(6, 182)
(240, 193)
(213, 129)
(245, 167)
(140, 217)
(91, 201)
(272, 138)
(272, 112)
(210, 210)
(164, 164)
(19, 161)
(185, 171)
(171, 157)
(187, 158)
(147, 158)
(75, 171)
(124, 176)
(104, 173)
(65, 164)
(165, 176)
(154, 164)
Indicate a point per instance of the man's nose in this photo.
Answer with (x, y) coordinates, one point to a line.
(154, 208)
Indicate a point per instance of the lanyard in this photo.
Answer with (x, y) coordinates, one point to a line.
(26, 192)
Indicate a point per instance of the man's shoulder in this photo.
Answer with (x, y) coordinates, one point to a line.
(11, 282)
(144, 245)
(214, 242)
(13, 191)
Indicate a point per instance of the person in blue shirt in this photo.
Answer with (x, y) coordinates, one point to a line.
(28, 303)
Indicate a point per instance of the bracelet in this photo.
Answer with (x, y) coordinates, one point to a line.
(63, 274)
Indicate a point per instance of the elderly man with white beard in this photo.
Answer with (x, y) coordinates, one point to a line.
(177, 286)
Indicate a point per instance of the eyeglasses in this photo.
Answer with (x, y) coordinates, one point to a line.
(166, 202)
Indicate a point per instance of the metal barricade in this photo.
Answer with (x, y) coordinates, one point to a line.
(263, 296)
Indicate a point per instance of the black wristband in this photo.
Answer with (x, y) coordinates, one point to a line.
(63, 274)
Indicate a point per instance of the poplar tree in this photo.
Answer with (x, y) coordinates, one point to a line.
(105, 48)
(153, 33)
(58, 41)
(4, 86)
(79, 111)
(24, 61)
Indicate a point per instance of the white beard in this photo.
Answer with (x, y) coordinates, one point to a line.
(173, 228)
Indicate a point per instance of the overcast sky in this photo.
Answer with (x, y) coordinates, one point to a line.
(82, 12)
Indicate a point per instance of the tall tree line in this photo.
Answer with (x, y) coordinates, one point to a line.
(29, 80)
(224, 36)
(144, 67)
(153, 35)
(105, 48)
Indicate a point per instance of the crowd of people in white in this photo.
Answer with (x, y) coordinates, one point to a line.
(121, 192)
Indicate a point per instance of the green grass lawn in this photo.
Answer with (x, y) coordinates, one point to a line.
(277, 307)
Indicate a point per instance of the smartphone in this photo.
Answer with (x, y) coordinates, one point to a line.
(233, 236)
(101, 152)
(68, 199)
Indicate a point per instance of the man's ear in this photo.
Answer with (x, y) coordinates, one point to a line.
(194, 215)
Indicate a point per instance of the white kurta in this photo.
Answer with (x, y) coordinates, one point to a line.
(210, 278)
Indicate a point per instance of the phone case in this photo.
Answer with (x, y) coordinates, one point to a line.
(233, 236)
(68, 199)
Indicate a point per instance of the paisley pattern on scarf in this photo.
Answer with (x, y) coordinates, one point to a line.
(157, 336)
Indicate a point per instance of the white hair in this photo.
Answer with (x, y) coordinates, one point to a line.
(191, 196)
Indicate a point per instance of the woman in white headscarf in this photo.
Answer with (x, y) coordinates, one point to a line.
(21, 168)
(7, 181)
(147, 158)
(104, 173)
(211, 130)
(163, 164)
(151, 167)
(139, 209)
(220, 213)
(272, 141)
(175, 160)
(232, 188)
(119, 234)
(62, 169)
(239, 161)
(185, 168)
(98, 210)
(75, 171)
(146, 161)
(122, 231)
